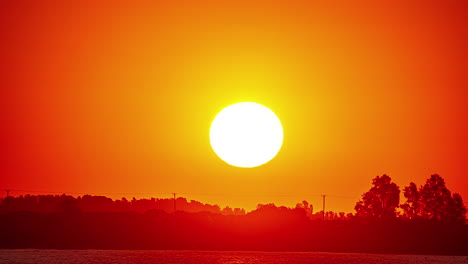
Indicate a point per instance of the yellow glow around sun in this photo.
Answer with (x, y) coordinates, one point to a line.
(246, 134)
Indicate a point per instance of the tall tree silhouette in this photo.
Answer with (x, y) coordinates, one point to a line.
(458, 209)
(412, 206)
(381, 200)
(433, 201)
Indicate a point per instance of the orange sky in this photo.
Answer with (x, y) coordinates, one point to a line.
(117, 98)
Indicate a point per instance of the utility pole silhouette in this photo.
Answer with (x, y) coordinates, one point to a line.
(174, 202)
(7, 192)
(323, 215)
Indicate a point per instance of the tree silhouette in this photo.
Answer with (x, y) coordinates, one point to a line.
(97, 222)
(309, 208)
(458, 209)
(412, 206)
(381, 200)
(69, 206)
(433, 201)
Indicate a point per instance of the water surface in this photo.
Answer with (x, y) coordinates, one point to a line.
(30, 256)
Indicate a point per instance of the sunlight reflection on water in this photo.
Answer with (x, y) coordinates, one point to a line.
(30, 256)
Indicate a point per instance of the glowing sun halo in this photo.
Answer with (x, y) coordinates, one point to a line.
(246, 134)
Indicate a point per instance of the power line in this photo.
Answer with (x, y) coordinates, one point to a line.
(174, 195)
(81, 193)
(267, 195)
(184, 193)
(339, 196)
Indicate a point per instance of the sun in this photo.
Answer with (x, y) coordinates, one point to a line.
(246, 134)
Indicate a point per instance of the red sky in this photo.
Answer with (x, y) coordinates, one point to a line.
(116, 98)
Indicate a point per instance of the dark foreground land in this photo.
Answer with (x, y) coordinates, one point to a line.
(275, 229)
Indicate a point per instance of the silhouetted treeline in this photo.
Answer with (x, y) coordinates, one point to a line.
(433, 201)
(88, 203)
(267, 228)
(431, 221)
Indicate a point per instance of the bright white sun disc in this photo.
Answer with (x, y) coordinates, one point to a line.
(246, 134)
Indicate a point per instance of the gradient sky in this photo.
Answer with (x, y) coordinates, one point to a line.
(117, 98)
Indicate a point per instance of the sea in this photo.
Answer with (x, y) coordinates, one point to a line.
(33, 256)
